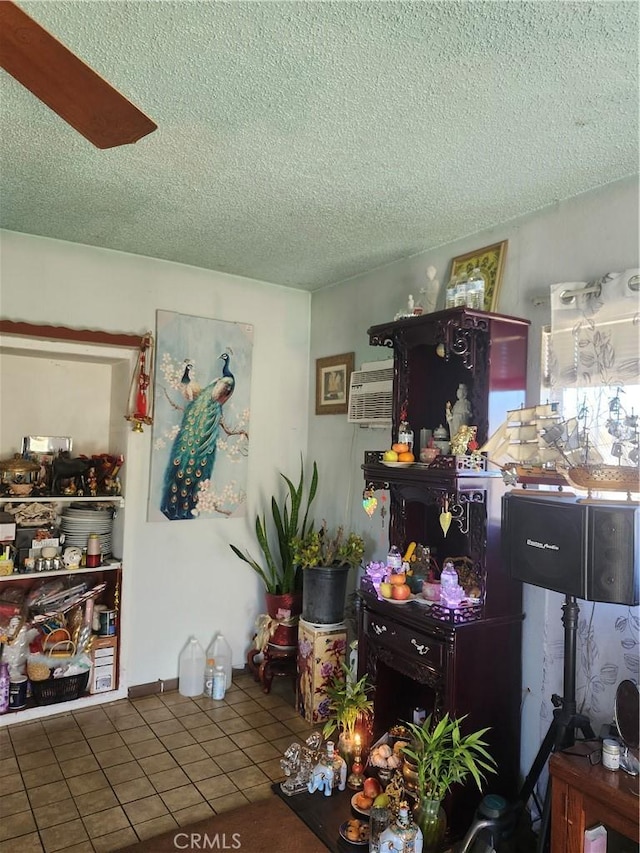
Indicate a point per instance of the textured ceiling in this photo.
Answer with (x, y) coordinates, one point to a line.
(303, 143)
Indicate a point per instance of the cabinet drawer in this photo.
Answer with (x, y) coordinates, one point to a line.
(414, 645)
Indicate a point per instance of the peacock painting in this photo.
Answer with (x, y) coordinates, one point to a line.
(203, 438)
(193, 453)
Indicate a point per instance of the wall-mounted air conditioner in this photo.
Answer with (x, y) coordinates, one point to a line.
(371, 394)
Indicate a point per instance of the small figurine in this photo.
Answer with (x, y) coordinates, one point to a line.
(460, 413)
(429, 293)
(321, 779)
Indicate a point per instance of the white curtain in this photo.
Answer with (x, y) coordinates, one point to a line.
(594, 331)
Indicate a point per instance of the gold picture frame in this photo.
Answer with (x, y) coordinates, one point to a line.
(490, 260)
(333, 375)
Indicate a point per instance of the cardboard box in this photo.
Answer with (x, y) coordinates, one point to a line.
(104, 656)
(321, 652)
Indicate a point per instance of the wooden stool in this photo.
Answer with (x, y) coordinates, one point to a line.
(276, 660)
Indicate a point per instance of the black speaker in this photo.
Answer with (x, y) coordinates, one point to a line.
(587, 550)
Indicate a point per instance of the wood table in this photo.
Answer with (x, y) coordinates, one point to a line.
(584, 795)
(323, 815)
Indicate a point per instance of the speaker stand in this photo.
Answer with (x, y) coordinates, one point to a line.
(564, 725)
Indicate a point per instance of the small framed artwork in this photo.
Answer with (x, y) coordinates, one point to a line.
(333, 375)
(490, 260)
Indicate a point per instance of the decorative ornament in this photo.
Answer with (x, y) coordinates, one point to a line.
(445, 517)
(369, 501)
(140, 406)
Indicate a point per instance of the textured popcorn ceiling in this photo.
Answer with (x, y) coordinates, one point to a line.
(302, 143)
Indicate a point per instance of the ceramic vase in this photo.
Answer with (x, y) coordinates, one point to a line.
(285, 608)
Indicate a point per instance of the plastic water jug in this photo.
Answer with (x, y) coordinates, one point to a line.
(191, 669)
(220, 651)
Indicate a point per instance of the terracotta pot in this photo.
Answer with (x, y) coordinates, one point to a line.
(285, 607)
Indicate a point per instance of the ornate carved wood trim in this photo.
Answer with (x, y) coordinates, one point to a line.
(64, 333)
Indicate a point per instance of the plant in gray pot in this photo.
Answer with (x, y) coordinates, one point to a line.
(326, 559)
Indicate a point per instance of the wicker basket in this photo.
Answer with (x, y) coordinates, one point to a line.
(64, 689)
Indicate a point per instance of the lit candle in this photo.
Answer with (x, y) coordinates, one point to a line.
(357, 741)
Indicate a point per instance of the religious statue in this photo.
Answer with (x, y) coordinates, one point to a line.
(459, 414)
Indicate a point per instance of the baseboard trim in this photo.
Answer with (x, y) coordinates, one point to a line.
(153, 687)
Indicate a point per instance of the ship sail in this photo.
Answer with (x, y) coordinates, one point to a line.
(534, 440)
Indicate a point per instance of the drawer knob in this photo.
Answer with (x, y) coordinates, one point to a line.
(420, 648)
(379, 629)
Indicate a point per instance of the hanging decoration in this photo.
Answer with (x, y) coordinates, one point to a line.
(369, 501)
(140, 405)
(445, 517)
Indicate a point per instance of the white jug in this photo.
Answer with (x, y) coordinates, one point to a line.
(191, 669)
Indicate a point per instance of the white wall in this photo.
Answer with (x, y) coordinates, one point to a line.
(184, 579)
(575, 240)
(181, 577)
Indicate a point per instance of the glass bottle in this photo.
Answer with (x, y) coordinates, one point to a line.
(475, 290)
(403, 834)
(394, 559)
(405, 434)
(450, 294)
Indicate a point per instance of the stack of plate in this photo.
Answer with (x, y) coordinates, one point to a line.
(79, 521)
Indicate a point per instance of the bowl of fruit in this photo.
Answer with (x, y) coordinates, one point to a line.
(399, 456)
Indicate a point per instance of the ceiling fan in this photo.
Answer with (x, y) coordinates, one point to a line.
(66, 84)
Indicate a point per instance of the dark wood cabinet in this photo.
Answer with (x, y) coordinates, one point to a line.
(465, 661)
(582, 796)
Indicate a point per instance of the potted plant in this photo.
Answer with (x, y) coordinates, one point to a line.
(325, 559)
(443, 757)
(278, 570)
(350, 708)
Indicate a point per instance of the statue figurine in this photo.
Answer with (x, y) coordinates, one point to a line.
(321, 779)
(460, 413)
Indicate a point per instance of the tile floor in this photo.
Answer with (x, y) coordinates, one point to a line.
(102, 778)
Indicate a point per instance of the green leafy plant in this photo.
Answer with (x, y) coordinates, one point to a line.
(321, 548)
(444, 756)
(348, 700)
(280, 576)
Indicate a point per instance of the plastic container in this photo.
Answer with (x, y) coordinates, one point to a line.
(220, 652)
(209, 671)
(450, 296)
(219, 684)
(460, 295)
(394, 559)
(610, 754)
(475, 290)
(4, 687)
(191, 669)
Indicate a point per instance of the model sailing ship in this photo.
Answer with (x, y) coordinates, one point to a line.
(622, 436)
(536, 445)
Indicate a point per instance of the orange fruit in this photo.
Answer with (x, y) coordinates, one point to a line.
(398, 578)
(406, 457)
(400, 448)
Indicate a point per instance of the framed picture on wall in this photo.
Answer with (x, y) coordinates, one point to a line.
(333, 375)
(490, 261)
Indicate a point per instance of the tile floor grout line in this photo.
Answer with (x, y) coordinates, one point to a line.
(90, 734)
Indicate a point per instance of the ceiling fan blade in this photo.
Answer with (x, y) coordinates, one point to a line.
(66, 84)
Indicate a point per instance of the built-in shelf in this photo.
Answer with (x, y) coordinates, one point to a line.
(112, 565)
(31, 499)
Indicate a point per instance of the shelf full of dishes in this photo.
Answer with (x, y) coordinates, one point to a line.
(57, 536)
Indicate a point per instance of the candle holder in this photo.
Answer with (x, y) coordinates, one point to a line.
(356, 777)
